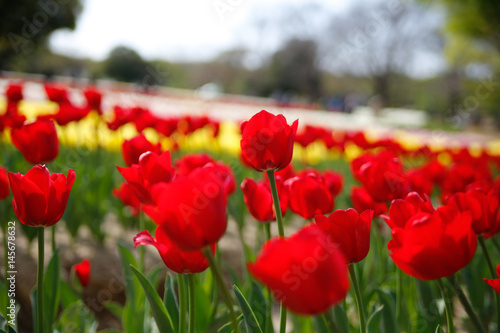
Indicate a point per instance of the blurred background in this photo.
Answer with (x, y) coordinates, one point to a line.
(440, 58)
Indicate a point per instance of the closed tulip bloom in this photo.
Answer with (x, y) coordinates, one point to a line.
(37, 141)
(127, 196)
(176, 259)
(82, 270)
(306, 272)
(430, 245)
(4, 183)
(309, 195)
(14, 92)
(350, 230)
(259, 199)
(361, 200)
(152, 169)
(40, 198)
(132, 149)
(267, 141)
(494, 283)
(192, 208)
(93, 97)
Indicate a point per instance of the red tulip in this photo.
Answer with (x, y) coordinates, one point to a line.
(40, 198)
(4, 183)
(483, 204)
(460, 175)
(128, 198)
(361, 200)
(14, 92)
(267, 141)
(259, 199)
(309, 195)
(381, 175)
(37, 141)
(190, 162)
(350, 230)
(57, 94)
(82, 270)
(430, 245)
(178, 260)
(132, 149)
(494, 283)
(152, 169)
(192, 208)
(93, 97)
(307, 272)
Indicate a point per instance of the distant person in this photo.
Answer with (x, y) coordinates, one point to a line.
(351, 101)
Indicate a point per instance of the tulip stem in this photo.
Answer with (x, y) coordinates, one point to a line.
(181, 285)
(267, 229)
(142, 250)
(222, 287)
(359, 299)
(276, 200)
(466, 304)
(39, 290)
(281, 233)
(399, 294)
(53, 237)
(192, 303)
(492, 272)
(448, 306)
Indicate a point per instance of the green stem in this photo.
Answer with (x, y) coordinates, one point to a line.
(330, 321)
(281, 233)
(222, 287)
(359, 300)
(399, 294)
(448, 306)
(182, 302)
(192, 303)
(142, 250)
(39, 290)
(492, 273)
(267, 229)
(276, 201)
(466, 304)
(53, 237)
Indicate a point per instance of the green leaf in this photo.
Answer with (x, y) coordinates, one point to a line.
(320, 325)
(341, 318)
(428, 311)
(170, 301)
(203, 307)
(51, 291)
(76, 318)
(251, 321)
(114, 307)
(260, 306)
(373, 322)
(389, 313)
(438, 329)
(160, 313)
(67, 294)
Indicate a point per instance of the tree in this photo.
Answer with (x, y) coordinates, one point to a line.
(127, 65)
(380, 40)
(26, 24)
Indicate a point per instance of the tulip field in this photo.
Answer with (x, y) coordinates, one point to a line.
(121, 218)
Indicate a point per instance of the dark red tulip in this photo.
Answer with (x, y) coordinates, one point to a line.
(40, 198)
(430, 245)
(122, 116)
(82, 270)
(128, 198)
(494, 283)
(309, 195)
(259, 199)
(132, 149)
(361, 200)
(192, 208)
(334, 181)
(66, 114)
(152, 169)
(267, 141)
(4, 183)
(460, 175)
(57, 94)
(350, 230)
(178, 260)
(306, 272)
(37, 141)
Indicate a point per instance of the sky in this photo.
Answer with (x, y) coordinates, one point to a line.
(168, 29)
(198, 30)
